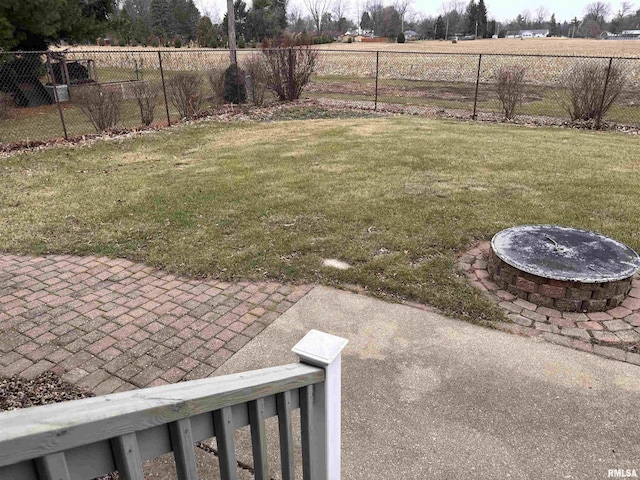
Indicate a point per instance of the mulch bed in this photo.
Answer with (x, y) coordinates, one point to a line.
(17, 392)
(307, 109)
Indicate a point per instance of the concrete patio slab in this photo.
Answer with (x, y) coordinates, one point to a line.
(425, 396)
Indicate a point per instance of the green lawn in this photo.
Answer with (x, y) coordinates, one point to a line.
(398, 198)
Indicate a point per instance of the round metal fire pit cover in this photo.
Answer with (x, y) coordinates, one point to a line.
(568, 254)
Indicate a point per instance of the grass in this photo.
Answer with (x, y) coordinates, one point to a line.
(398, 198)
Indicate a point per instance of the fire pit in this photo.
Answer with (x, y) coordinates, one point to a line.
(568, 269)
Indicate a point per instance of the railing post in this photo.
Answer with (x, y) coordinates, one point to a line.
(375, 103)
(475, 99)
(325, 351)
(164, 89)
(604, 94)
(55, 95)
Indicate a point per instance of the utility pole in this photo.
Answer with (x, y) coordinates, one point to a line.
(446, 34)
(476, 29)
(231, 30)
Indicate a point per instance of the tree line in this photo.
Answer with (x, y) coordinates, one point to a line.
(34, 24)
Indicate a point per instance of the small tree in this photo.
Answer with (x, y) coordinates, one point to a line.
(235, 90)
(147, 99)
(509, 88)
(185, 93)
(100, 104)
(400, 38)
(289, 68)
(585, 86)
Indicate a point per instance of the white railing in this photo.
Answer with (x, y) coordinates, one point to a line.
(83, 439)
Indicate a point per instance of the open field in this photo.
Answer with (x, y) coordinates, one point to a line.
(397, 198)
(508, 46)
(511, 46)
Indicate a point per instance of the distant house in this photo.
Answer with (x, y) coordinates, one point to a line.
(411, 35)
(356, 36)
(527, 33)
(534, 33)
(625, 35)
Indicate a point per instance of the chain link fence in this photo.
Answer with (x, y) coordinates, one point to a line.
(50, 95)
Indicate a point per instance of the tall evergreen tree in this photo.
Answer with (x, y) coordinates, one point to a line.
(481, 18)
(159, 17)
(471, 17)
(240, 16)
(35, 24)
(554, 27)
(440, 27)
(123, 26)
(365, 21)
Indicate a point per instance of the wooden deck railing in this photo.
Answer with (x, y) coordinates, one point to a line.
(86, 438)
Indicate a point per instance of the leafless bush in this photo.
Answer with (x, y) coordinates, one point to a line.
(585, 84)
(258, 77)
(186, 94)
(216, 80)
(5, 105)
(147, 98)
(289, 69)
(509, 88)
(100, 104)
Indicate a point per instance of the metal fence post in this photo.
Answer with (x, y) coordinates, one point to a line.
(375, 103)
(475, 99)
(325, 351)
(164, 89)
(604, 94)
(55, 95)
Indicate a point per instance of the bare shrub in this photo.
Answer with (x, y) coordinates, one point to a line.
(289, 68)
(100, 104)
(6, 101)
(509, 88)
(585, 84)
(186, 94)
(216, 80)
(257, 73)
(147, 98)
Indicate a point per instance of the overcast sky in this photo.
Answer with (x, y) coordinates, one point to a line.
(498, 9)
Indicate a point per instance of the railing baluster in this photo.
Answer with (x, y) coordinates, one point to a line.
(53, 467)
(283, 403)
(127, 456)
(182, 445)
(223, 426)
(258, 439)
(309, 435)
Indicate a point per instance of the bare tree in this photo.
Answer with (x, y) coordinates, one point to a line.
(525, 15)
(598, 11)
(340, 8)
(541, 14)
(449, 6)
(401, 7)
(625, 8)
(317, 9)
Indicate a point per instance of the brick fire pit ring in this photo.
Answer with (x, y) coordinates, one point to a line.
(569, 269)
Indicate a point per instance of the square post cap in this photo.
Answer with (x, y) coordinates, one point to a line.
(319, 348)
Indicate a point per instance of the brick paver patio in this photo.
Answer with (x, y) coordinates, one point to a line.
(113, 325)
